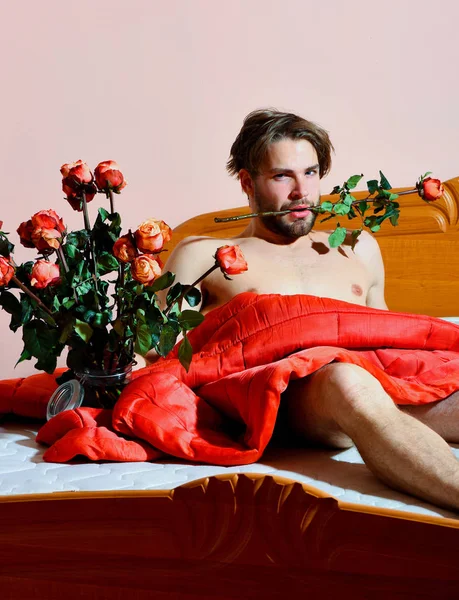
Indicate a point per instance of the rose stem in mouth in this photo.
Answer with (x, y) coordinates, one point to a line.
(272, 213)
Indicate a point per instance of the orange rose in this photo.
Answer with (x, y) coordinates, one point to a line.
(44, 273)
(25, 233)
(231, 260)
(432, 189)
(6, 271)
(109, 177)
(48, 219)
(145, 269)
(124, 249)
(47, 230)
(151, 235)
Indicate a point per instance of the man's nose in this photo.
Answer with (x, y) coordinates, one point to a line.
(299, 190)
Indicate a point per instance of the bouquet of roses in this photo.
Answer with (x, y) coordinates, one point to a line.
(95, 290)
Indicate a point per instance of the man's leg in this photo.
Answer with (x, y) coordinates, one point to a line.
(343, 404)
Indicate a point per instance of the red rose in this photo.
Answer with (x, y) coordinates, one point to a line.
(77, 179)
(231, 260)
(109, 177)
(6, 271)
(25, 233)
(432, 189)
(78, 172)
(124, 249)
(151, 235)
(44, 273)
(145, 269)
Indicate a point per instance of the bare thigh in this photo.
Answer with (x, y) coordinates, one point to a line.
(441, 416)
(309, 414)
(311, 407)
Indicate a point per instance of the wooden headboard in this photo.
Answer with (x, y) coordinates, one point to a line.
(421, 254)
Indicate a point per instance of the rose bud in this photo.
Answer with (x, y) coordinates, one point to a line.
(145, 269)
(151, 235)
(25, 233)
(432, 189)
(1, 225)
(77, 178)
(6, 271)
(44, 273)
(231, 260)
(77, 172)
(109, 177)
(124, 249)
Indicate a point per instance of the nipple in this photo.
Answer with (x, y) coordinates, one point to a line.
(356, 289)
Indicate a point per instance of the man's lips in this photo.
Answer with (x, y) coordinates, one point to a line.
(300, 211)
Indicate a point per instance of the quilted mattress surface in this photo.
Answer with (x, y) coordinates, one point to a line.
(338, 473)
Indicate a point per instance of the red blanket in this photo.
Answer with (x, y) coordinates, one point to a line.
(224, 409)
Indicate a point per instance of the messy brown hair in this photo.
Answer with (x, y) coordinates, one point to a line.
(263, 127)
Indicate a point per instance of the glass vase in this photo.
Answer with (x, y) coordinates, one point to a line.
(95, 388)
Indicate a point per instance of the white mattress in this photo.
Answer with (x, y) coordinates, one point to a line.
(338, 473)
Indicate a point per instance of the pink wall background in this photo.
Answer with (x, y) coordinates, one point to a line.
(163, 87)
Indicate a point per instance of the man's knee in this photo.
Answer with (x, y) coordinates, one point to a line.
(348, 391)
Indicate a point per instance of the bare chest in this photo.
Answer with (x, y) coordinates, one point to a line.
(316, 271)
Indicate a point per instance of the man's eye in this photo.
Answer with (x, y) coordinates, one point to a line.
(279, 175)
(311, 172)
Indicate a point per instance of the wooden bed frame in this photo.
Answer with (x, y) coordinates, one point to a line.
(250, 536)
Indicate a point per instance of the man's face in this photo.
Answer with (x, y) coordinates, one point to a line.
(288, 178)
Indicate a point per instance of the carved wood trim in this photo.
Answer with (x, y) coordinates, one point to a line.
(246, 530)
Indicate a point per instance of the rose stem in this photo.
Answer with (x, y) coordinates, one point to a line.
(289, 210)
(112, 202)
(188, 287)
(91, 244)
(31, 294)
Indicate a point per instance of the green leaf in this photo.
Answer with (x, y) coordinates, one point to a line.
(10, 303)
(341, 209)
(193, 296)
(394, 219)
(375, 228)
(348, 199)
(6, 247)
(189, 319)
(103, 214)
(384, 183)
(166, 340)
(373, 186)
(363, 206)
(337, 237)
(327, 206)
(84, 330)
(174, 293)
(352, 182)
(107, 263)
(46, 363)
(163, 282)
(71, 251)
(354, 235)
(25, 355)
(143, 340)
(185, 353)
(39, 339)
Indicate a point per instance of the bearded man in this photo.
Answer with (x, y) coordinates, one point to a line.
(280, 159)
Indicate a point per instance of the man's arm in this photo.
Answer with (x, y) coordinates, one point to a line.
(369, 252)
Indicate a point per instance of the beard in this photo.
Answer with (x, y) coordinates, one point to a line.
(282, 225)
